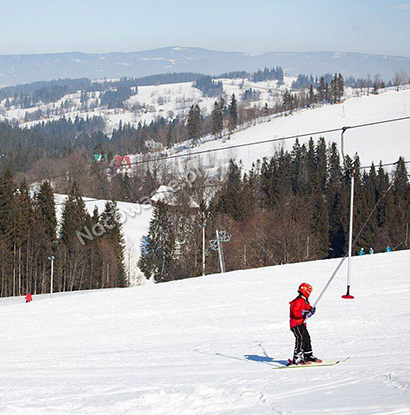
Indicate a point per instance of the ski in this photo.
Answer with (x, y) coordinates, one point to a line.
(321, 364)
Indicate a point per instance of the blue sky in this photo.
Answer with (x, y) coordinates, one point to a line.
(253, 26)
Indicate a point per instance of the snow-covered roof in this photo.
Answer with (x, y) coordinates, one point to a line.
(167, 195)
(164, 194)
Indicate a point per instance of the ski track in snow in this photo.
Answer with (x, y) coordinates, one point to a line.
(206, 346)
(395, 382)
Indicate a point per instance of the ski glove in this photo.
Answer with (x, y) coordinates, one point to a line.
(311, 312)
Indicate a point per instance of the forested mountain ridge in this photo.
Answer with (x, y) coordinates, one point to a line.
(40, 67)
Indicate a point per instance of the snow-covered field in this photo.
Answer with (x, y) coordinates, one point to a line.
(208, 345)
(385, 142)
(135, 223)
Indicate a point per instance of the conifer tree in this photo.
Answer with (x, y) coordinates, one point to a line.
(233, 114)
(321, 90)
(283, 176)
(22, 226)
(298, 171)
(386, 207)
(231, 199)
(400, 217)
(279, 75)
(7, 204)
(170, 139)
(158, 251)
(111, 222)
(188, 243)
(321, 163)
(71, 252)
(150, 184)
(288, 101)
(73, 214)
(8, 220)
(194, 123)
(269, 183)
(316, 165)
(126, 188)
(311, 158)
(45, 206)
(334, 196)
(341, 87)
(218, 117)
(369, 194)
(311, 96)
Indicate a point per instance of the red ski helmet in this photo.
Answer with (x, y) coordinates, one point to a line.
(305, 289)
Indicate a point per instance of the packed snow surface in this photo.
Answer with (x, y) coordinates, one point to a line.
(208, 345)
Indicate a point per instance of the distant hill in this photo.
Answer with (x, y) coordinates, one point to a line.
(15, 69)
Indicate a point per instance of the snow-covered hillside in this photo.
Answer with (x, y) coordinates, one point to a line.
(208, 345)
(381, 142)
(135, 220)
(150, 103)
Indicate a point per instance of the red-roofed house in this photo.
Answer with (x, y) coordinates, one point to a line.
(124, 165)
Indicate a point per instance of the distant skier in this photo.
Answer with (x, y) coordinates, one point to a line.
(300, 310)
(361, 252)
(388, 249)
(371, 251)
(28, 297)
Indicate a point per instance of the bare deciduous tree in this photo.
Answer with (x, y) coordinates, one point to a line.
(399, 79)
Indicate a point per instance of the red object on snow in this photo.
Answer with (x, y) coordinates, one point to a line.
(28, 297)
(347, 296)
(296, 308)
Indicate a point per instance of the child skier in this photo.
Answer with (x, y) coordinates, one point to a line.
(300, 309)
(28, 297)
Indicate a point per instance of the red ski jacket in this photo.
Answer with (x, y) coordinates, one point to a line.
(28, 298)
(296, 307)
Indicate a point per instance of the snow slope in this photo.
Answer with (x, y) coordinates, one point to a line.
(151, 102)
(383, 142)
(207, 346)
(135, 223)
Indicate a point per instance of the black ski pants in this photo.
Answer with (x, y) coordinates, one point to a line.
(303, 346)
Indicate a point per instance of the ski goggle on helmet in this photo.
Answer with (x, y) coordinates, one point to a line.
(305, 289)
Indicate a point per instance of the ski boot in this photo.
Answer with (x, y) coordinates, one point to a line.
(297, 360)
(312, 359)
